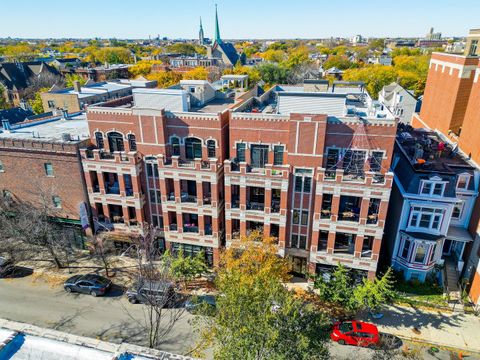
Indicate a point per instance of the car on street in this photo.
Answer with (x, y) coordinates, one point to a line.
(357, 333)
(153, 292)
(92, 284)
(6, 267)
(201, 303)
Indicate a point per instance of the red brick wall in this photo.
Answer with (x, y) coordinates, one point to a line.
(470, 135)
(25, 177)
(446, 93)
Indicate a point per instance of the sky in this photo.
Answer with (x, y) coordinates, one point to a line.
(239, 19)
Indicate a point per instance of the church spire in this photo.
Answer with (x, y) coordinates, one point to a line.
(217, 28)
(201, 37)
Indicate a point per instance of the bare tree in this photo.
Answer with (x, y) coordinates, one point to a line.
(102, 251)
(41, 81)
(155, 287)
(32, 225)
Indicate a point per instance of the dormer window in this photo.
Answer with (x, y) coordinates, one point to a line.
(463, 181)
(432, 188)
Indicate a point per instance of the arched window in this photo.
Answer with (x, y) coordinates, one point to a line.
(115, 142)
(193, 148)
(175, 146)
(211, 148)
(132, 143)
(99, 140)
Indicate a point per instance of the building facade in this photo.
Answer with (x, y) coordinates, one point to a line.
(399, 101)
(431, 206)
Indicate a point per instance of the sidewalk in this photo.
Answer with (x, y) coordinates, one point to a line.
(441, 328)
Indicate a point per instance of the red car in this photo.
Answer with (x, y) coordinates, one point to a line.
(356, 333)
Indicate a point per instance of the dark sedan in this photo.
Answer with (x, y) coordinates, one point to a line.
(92, 284)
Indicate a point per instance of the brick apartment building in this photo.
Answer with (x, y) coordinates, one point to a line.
(311, 168)
(40, 164)
(207, 169)
(450, 106)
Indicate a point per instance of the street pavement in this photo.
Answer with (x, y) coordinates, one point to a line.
(110, 319)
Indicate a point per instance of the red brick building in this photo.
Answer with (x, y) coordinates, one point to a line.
(316, 178)
(40, 163)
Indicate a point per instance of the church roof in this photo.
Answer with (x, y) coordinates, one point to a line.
(229, 50)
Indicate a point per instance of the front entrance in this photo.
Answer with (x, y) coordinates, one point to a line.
(298, 266)
(447, 245)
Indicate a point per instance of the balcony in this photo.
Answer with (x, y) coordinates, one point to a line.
(325, 213)
(348, 216)
(275, 208)
(173, 227)
(208, 230)
(256, 206)
(235, 203)
(207, 200)
(330, 174)
(188, 198)
(190, 228)
(104, 155)
(113, 189)
(372, 219)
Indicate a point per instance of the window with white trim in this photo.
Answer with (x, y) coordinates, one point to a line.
(457, 211)
(406, 248)
(420, 253)
(463, 181)
(432, 188)
(426, 218)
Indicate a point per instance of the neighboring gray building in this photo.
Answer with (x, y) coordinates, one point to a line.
(399, 101)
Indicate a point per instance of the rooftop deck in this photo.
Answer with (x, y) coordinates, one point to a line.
(428, 152)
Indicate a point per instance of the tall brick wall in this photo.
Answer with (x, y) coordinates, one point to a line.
(450, 78)
(25, 177)
(469, 140)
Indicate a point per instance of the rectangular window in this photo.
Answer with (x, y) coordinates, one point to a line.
(155, 197)
(420, 254)
(48, 169)
(307, 184)
(463, 182)
(277, 155)
(259, 156)
(457, 211)
(427, 188)
(304, 217)
(51, 104)
(298, 183)
(376, 161)
(296, 217)
(241, 152)
(438, 189)
(2, 168)
(432, 188)
(57, 202)
(332, 158)
(322, 240)
(426, 218)
(406, 249)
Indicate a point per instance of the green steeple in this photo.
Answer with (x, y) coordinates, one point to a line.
(217, 28)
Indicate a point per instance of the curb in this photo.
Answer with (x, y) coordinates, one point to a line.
(413, 339)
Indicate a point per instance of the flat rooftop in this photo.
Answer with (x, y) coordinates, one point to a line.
(214, 106)
(428, 152)
(94, 89)
(50, 129)
(340, 100)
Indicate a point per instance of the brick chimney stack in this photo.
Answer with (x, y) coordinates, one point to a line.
(77, 87)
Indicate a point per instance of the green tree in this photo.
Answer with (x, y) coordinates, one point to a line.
(339, 61)
(372, 294)
(257, 317)
(182, 48)
(374, 76)
(186, 268)
(71, 78)
(338, 289)
(273, 74)
(36, 103)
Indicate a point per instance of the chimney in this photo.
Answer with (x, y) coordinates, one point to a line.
(77, 87)
(6, 125)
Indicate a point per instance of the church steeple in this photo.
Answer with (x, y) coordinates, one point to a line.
(201, 37)
(218, 40)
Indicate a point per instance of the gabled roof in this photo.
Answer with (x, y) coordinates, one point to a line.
(15, 76)
(15, 115)
(229, 50)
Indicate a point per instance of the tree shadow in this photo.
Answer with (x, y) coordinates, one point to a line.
(19, 272)
(416, 319)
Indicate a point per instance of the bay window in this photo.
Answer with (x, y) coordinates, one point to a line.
(426, 218)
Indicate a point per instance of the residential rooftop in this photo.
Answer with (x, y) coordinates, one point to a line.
(427, 152)
(57, 128)
(339, 100)
(94, 89)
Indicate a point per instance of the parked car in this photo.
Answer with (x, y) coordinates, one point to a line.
(356, 333)
(92, 284)
(6, 267)
(201, 302)
(152, 292)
